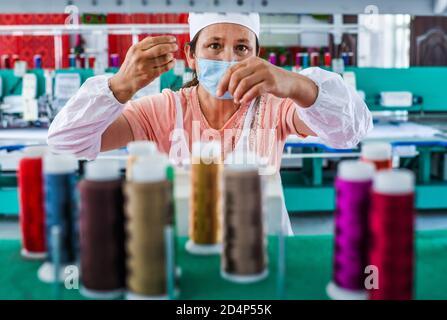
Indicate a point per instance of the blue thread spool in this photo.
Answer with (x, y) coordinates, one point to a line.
(61, 210)
(345, 57)
(37, 61)
(72, 60)
(305, 61)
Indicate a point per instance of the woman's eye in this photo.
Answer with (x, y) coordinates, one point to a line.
(241, 48)
(214, 46)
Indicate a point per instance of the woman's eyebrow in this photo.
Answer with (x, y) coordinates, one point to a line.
(243, 40)
(215, 39)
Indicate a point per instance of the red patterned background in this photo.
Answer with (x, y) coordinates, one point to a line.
(27, 46)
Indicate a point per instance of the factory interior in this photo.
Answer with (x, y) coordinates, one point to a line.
(94, 204)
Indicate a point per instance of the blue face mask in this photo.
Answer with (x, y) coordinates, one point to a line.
(210, 73)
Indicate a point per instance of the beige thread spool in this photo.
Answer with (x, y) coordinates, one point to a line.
(244, 257)
(136, 150)
(205, 202)
(148, 205)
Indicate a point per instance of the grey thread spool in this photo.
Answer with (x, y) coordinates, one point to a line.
(244, 258)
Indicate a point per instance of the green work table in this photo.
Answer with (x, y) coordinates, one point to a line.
(308, 270)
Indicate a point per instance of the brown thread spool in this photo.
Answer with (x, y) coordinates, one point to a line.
(148, 206)
(205, 202)
(244, 258)
(136, 150)
(379, 154)
(102, 231)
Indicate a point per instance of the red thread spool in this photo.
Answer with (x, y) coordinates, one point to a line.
(5, 61)
(31, 199)
(91, 61)
(327, 59)
(392, 232)
(379, 154)
(315, 59)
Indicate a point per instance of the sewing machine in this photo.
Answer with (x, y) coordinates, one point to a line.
(415, 130)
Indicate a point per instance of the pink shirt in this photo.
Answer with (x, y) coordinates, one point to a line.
(154, 118)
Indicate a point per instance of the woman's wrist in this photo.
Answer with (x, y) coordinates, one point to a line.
(121, 92)
(303, 90)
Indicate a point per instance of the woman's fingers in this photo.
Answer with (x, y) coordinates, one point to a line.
(161, 60)
(150, 42)
(160, 50)
(245, 85)
(254, 92)
(166, 67)
(237, 76)
(224, 82)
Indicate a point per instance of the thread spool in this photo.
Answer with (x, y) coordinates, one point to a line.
(102, 231)
(379, 154)
(138, 149)
(61, 211)
(244, 258)
(353, 186)
(205, 225)
(148, 206)
(31, 200)
(392, 234)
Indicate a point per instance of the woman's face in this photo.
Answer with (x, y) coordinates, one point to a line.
(223, 41)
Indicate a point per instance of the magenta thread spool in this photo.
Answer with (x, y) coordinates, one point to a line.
(282, 59)
(272, 58)
(353, 188)
(297, 60)
(114, 60)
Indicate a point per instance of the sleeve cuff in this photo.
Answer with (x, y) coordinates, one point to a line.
(101, 84)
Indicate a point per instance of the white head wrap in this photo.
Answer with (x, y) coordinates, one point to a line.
(198, 21)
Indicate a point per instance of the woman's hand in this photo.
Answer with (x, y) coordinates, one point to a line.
(254, 76)
(144, 62)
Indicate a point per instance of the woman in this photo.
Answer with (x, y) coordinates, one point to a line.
(235, 91)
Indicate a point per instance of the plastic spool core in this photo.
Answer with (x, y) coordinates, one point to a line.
(354, 170)
(203, 249)
(245, 278)
(377, 151)
(141, 148)
(35, 151)
(33, 255)
(242, 162)
(337, 293)
(102, 170)
(207, 151)
(399, 181)
(136, 296)
(149, 169)
(59, 164)
(45, 272)
(95, 294)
